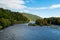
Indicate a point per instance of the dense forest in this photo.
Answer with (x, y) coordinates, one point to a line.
(8, 18)
(48, 21)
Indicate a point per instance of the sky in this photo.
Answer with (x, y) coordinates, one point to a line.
(42, 8)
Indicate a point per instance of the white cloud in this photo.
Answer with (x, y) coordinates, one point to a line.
(54, 6)
(44, 8)
(12, 4)
(19, 5)
(27, 11)
(41, 8)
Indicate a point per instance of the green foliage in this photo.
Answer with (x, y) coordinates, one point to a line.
(48, 21)
(1, 27)
(41, 22)
(31, 16)
(4, 22)
(8, 18)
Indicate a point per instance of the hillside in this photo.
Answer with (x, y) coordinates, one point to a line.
(31, 16)
(8, 18)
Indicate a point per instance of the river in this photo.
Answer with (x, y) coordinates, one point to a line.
(25, 32)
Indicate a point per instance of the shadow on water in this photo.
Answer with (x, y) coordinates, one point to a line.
(25, 32)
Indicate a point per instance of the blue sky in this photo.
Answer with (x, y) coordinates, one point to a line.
(42, 8)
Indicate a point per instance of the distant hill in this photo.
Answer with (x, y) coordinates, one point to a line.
(31, 16)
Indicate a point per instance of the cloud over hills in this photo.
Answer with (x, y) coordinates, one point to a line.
(12, 4)
(20, 5)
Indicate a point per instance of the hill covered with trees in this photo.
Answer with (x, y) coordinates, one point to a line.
(8, 18)
(31, 16)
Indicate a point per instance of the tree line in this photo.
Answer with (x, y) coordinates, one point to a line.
(48, 21)
(7, 18)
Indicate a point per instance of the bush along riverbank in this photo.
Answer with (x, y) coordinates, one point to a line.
(8, 18)
(46, 22)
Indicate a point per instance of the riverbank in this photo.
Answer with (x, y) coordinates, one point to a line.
(15, 23)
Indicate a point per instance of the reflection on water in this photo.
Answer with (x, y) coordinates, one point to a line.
(24, 32)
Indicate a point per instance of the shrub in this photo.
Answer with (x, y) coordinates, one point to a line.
(1, 27)
(5, 22)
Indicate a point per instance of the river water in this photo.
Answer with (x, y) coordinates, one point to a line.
(25, 32)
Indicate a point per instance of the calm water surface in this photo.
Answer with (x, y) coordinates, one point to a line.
(25, 32)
